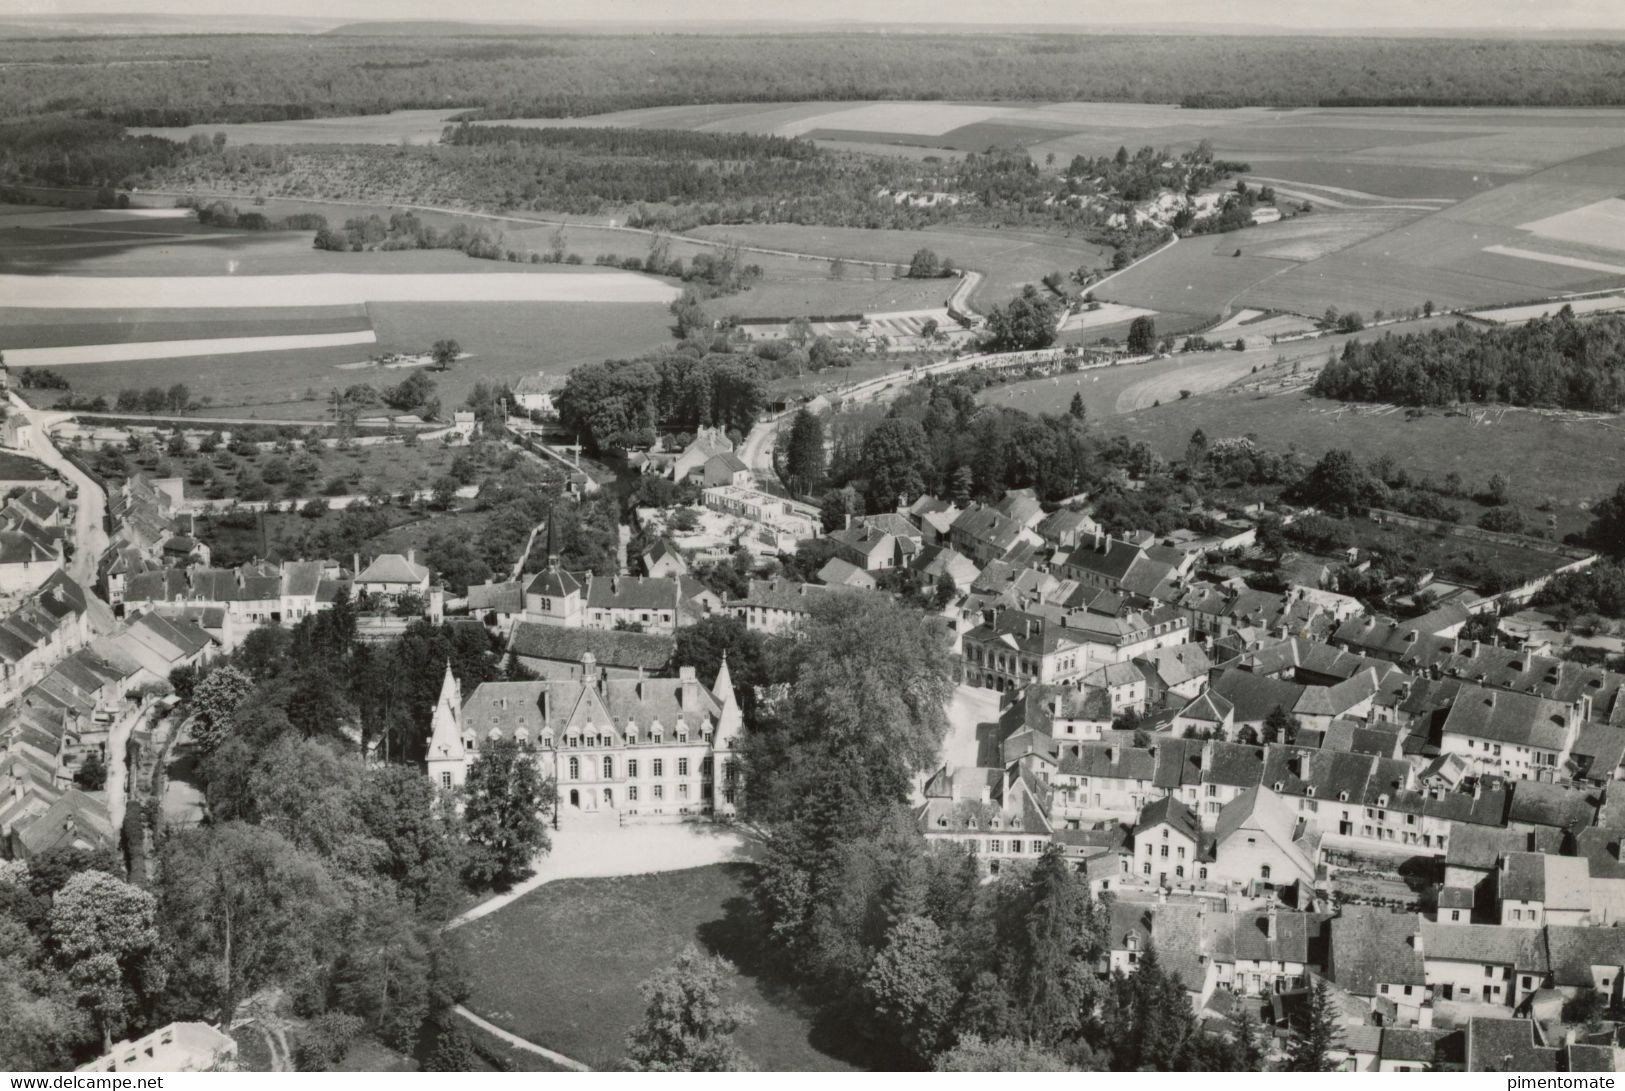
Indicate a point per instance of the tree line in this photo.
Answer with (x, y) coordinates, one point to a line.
(1555, 362)
(281, 77)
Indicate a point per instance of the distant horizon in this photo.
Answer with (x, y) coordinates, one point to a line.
(1579, 18)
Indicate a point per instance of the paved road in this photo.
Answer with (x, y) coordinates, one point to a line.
(90, 510)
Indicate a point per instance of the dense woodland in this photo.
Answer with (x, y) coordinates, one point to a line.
(316, 873)
(253, 78)
(1554, 363)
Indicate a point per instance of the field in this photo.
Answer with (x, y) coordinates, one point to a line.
(1126, 388)
(561, 965)
(1007, 259)
(408, 126)
(1546, 458)
(504, 342)
(1410, 205)
(318, 289)
(119, 304)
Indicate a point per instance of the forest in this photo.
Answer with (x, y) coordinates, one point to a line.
(1547, 363)
(273, 77)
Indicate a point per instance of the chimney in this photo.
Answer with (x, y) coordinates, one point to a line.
(688, 691)
(1162, 895)
(848, 524)
(1272, 923)
(411, 556)
(356, 562)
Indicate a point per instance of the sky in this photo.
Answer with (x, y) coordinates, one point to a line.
(1308, 15)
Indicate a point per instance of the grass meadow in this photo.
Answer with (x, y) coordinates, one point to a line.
(1007, 259)
(1545, 458)
(561, 965)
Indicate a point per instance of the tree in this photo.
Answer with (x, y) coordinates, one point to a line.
(504, 797)
(1142, 336)
(805, 456)
(924, 265)
(452, 1052)
(92, 773)
(1272, 535)
(1607, 530)
(1054, 972)
(1077, 410)
(1280, 726)
(909, 986)
(974, 1054)
(106, 939)
(1196, 450)
(242, 908)
(691, 317)
(445, 353)
(1339, 483)
(1499, 490)
(688, 1026)
(1026, 322)
(895, 461)
(1315, 1034)
(214, 700)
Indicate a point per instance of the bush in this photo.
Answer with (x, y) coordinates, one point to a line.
(325, 1040)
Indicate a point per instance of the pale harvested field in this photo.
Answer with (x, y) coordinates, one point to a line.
(1557, 259)
(169, 350)
(1246, 314)
(412, 126)
(92, 293)
(917, 118)
(1599, 224)
(1591, 305)
(35, 216)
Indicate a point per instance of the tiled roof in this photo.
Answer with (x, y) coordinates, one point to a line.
(1506, 717)
(1372, 947)
(392, 568)
(648, 651)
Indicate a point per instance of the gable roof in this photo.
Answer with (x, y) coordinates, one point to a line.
(392, 568)
(645, 651)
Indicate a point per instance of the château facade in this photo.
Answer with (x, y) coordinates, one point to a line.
(636, 746)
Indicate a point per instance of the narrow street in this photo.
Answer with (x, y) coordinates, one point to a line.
(90, 508)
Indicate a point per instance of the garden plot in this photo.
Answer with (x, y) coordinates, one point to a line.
(92, 293)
